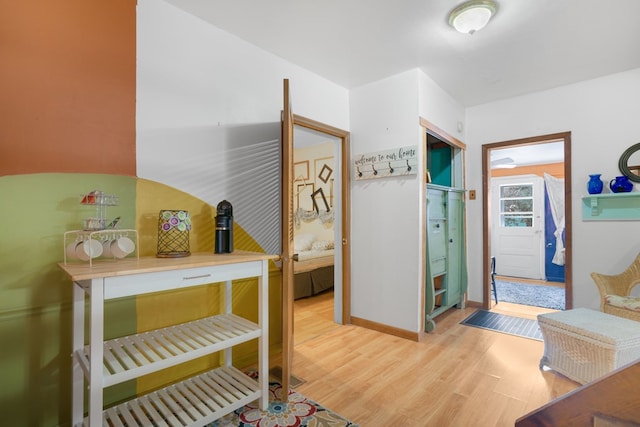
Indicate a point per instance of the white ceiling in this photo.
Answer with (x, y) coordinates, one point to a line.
(525, 155)
(530, 45)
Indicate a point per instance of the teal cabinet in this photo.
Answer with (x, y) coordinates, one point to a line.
(446, 272)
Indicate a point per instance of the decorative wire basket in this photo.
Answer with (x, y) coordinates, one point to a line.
(173, 233)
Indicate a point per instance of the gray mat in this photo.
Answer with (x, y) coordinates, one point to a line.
(512, 325)
(537, 295)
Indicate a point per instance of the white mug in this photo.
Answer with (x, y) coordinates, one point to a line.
(88, 249)
(71, 250)
(106, 248)
(122, 246)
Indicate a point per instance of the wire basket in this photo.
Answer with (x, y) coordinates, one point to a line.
(173, 233)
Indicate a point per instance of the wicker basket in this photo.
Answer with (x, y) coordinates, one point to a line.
(585, 344)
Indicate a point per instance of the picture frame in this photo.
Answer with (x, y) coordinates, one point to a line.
(325, 173)
(303, 192)
(314, 196)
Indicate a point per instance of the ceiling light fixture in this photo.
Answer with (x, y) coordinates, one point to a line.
(472, 16)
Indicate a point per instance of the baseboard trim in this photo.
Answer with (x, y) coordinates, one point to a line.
(474, 304)
(386, 329)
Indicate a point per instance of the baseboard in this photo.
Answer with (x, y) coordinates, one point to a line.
(386, 329)
(473, 304)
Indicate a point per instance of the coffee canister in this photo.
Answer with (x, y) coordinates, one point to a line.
(224, 228)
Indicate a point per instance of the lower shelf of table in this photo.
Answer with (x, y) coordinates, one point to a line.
(196, 401)
(127, 358)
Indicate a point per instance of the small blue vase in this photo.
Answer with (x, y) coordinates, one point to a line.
(621, 184)
(595, 184)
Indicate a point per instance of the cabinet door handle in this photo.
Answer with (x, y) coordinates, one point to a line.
(450, 240)
(196, 277)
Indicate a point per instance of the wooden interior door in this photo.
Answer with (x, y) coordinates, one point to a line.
(287, 240)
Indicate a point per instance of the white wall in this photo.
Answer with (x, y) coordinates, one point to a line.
(206, 93)
(602, 115)
(208, 113)
(386, 235)
(439, 108)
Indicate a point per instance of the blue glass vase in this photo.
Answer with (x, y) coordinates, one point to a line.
(595, 184)
(621, 184)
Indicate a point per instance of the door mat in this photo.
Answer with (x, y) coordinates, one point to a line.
(526, 328)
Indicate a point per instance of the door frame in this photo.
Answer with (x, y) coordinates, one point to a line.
(345, 151)
(486, 213)
(289, 120)
(458, 181)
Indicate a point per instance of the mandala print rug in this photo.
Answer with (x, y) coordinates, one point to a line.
(298, 411)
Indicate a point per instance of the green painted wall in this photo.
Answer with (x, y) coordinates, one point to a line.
(36, 296)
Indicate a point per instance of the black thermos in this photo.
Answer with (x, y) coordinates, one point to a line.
(224, 228)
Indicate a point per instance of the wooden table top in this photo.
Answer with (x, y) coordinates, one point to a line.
(127, 266)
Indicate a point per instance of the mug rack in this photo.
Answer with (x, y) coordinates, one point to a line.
(101, 201)
(99, 235)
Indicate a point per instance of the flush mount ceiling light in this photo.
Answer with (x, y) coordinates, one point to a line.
(472, 16)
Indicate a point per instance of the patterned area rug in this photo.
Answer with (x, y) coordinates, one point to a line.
(536, 295)
(298, 411)
(527, 328)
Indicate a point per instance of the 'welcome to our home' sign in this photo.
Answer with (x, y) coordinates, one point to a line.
(384, 164)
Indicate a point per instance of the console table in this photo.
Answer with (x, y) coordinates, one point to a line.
(195, 401)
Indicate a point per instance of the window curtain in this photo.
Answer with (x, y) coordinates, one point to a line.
(555, 191)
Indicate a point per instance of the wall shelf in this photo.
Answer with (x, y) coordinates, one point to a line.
(611, 207)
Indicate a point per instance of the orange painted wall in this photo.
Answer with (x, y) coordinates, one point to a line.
(553, 169)
(67, 81)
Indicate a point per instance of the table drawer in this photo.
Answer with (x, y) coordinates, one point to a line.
(136, 284)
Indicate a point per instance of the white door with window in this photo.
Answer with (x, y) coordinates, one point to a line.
(517, 226)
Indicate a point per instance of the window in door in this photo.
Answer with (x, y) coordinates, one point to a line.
(516, 205)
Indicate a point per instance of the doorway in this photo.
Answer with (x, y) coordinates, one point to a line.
(315, 234)
(517, 217)
(321, 215)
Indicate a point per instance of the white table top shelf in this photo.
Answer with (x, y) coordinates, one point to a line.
(128, 266)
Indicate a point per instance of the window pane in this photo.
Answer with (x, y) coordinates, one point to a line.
(523, 190)
(516, 221)
(517, 205)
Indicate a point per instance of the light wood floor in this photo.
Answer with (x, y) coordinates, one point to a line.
(313, 317)
(457, 376)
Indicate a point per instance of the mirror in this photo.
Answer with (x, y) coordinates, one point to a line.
(629, 163)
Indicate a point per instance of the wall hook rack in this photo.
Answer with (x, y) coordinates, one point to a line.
(383, 164)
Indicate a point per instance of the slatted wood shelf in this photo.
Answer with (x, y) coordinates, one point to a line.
(196, 401)
(126, 358)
